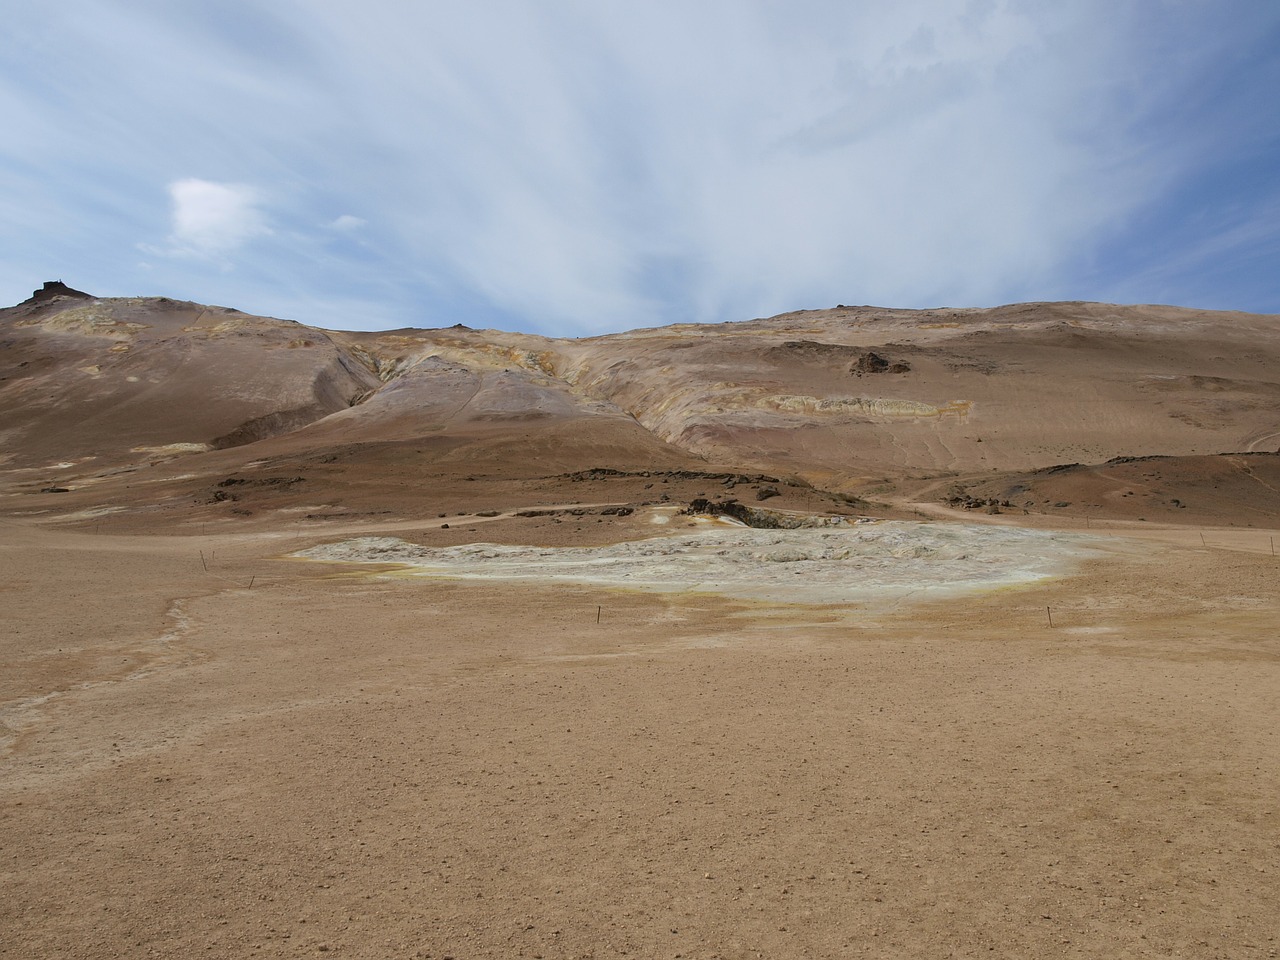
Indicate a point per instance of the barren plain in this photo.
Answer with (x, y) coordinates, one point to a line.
(855, 632)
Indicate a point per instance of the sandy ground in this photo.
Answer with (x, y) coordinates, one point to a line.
(211, 749)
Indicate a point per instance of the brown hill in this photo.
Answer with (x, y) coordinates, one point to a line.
(855, 400)
(1228, 489)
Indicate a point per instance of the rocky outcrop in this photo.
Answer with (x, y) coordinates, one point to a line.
(51, 290)
(871, 362)
(759, 517)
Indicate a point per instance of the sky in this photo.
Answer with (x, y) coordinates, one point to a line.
(576, 167)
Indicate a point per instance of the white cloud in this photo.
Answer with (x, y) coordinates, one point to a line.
(213, 219)
(347, 222)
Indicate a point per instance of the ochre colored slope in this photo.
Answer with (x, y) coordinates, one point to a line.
(854, 400)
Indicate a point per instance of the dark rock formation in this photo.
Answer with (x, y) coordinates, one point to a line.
(53, 289)
(605, 473)
(761, 517)
(871, 362)
(964, 501)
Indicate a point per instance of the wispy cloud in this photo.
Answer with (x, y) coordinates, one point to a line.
(577, 167)
(347, 222)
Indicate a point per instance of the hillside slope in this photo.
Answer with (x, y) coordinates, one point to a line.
(851, 399)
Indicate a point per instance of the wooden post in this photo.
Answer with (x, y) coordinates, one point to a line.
(202, 562)
(598, 609)
(1049, 614)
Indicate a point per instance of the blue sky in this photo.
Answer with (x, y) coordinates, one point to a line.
(573, 168)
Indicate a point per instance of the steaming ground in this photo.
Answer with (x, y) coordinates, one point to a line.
(868, 560)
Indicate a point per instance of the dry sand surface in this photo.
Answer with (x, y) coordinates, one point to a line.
(358, 760)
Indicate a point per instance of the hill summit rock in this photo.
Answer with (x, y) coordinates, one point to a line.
(51, 289)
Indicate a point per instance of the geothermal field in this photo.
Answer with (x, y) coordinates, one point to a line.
(848, 632)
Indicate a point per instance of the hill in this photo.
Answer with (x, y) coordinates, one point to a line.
(103, 395)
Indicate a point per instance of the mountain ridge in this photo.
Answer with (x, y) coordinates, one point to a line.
(849, 399)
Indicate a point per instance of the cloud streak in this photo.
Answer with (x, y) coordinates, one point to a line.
(577, 167)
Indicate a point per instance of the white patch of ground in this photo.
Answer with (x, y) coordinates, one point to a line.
(64, 464)
(88, 513)
(801, 566)
(174, 449)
